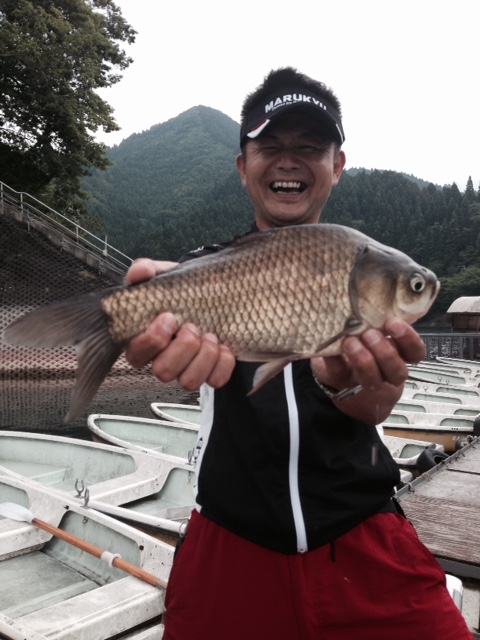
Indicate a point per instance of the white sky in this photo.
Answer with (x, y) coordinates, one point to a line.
(406, 72)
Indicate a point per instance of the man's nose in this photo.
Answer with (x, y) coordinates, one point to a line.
(288, 158)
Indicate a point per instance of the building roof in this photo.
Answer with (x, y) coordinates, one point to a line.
(465, 304)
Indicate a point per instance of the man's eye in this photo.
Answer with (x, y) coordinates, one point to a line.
(310, 149)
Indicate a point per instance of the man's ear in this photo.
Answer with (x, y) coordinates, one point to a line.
(241, 167)
(338, 166)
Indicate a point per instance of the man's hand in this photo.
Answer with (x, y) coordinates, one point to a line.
(377, 362)
(182, 354)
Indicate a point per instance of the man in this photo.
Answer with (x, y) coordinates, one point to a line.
(295, 535)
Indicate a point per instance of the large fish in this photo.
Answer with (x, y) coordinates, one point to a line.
(272, 297)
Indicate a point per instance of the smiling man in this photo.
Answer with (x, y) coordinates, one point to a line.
(289, 171)
(289, 163)
(295, 535)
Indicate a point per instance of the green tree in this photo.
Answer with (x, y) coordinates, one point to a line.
(54, 54)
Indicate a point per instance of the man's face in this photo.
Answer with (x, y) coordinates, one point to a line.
(289, 171)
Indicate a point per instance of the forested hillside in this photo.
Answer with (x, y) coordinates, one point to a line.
(162, 174)
(175, 187)
(438, 227)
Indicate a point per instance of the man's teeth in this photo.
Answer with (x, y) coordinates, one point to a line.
(282, 185)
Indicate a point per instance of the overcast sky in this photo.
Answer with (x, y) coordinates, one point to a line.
(406, 72)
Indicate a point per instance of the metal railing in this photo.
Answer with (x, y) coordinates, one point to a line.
(452, 345)
(33, 209)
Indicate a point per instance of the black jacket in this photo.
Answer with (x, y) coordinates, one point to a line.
(284, 468)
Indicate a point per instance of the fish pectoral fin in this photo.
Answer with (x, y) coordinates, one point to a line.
(352, 327)
(269, 370)
(96, 356)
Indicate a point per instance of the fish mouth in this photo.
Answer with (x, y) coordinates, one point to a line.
(288, 186)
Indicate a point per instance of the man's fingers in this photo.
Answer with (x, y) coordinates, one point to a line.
(144, 269)
(174, 359)
(409, 344)
(213, 363)
(147, 345)
(223, 369)
(374, 359)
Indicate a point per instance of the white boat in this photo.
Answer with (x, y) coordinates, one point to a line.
(441, 376)
(184, 413)
(155, 437)
(441, 428)
(406, 451)
(111, 474)
(461, 367)
(474, 365)
(155, 493)
(427, 386)
(430, 406)
(451, 399)
(50, 589)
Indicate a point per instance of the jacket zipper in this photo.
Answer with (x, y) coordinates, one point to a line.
(294, 427)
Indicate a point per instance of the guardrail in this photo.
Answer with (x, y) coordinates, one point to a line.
(33, 209)
(452, 345)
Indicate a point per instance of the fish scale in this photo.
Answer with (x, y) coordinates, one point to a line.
(272, 297)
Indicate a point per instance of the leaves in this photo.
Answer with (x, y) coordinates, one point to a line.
(54, 55)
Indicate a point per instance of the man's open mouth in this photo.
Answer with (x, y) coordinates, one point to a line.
(288, 186)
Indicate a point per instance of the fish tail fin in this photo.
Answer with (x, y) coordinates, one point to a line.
(96, 356)
(79, 322)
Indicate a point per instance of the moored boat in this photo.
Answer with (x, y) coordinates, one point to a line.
(154, 493)
(68, 464)
(474, 365)
(427, 386)
(442, 428)
(453, 365)
(430, 406)
(406, 451)
(184, 413)
(441, 376)
(155, 437)
(52, 589)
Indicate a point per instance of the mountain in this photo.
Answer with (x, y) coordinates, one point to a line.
(164, 174)
(353, 171)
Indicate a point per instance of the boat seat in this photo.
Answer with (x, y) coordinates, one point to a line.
(406, 406)
(466, 412)
(35, 581)
(431, 397)
(398, 418)
(455, 422)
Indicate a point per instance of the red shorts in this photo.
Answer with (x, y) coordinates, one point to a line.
(381, 583)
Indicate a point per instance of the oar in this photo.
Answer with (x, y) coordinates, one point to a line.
(17, 512)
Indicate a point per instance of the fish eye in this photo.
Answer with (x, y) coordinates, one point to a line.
(417, 283)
